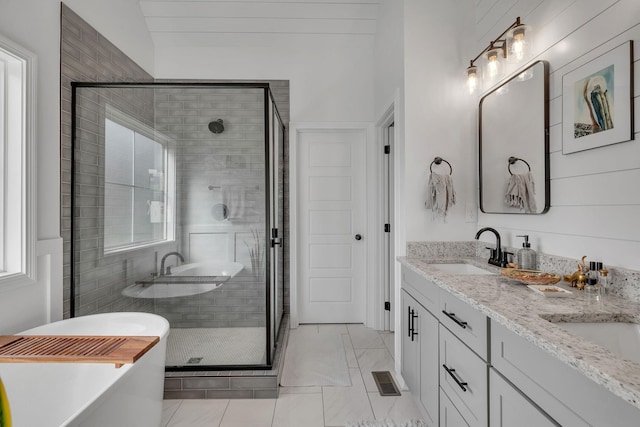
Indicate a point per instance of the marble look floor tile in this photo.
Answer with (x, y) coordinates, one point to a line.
(199, 413)
(333, 328)
(249, 412)
(344, 404)
(396, 408)
(374, 359)
(352, 361)
(169, 408)
(363, 337)
(388, 339)
(297, 410)
(300, 390)
(312, 327)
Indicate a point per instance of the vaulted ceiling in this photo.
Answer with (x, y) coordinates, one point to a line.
(174, 23)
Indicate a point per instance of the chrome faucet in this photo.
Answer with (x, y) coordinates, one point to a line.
(497, 258)
(167, 272)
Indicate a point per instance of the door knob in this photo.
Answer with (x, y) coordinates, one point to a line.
(358, 237)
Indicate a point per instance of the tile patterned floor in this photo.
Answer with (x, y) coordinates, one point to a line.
(328, 406)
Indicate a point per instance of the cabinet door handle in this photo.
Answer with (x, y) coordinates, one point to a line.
(409, 321)
(451, 372)
(453, 317)
(413, 324)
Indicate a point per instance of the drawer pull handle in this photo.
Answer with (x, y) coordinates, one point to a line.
(455, 378)
(453, 317)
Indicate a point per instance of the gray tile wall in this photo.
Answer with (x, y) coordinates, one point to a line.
(86, 56)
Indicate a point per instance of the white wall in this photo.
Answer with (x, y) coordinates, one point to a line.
(595, 203)
(329, 82)
(439, 115)
(388, 55)
(35, 24)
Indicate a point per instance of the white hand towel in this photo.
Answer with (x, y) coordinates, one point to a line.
(521, 192)
(441, 195)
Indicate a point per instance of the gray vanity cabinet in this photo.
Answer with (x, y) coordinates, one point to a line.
(420, 355)
(419, 331)
(566, 395)
(508, 407)
(449, 415)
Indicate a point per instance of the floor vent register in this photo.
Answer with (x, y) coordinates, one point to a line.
(384, 382)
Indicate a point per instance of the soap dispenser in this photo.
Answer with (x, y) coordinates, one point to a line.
(526, 257)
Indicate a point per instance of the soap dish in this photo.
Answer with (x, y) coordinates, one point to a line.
(549, 291)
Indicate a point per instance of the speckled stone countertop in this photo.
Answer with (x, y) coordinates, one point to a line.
(528, 315)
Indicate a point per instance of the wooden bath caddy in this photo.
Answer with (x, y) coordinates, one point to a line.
(119, 350)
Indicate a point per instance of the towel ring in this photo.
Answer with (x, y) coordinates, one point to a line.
(439, 160)
(512, 160)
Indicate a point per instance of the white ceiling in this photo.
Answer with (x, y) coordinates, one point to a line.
(174, 23)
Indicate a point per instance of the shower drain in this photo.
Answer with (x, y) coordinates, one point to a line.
(194, 360)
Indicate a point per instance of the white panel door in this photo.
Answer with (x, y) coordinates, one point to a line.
(331, 212)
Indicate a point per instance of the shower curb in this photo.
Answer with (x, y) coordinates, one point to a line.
(258, 384)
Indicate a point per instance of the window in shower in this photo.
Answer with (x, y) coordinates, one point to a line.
(137, 184)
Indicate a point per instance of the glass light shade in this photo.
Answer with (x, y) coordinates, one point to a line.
(493, 68)
(472, 79)
(519, 40)
(525, 75)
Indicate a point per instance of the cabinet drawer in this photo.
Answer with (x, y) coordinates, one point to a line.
(464, 378)
(423, 290)
(465, 322)
(508, 407)
(449, 415)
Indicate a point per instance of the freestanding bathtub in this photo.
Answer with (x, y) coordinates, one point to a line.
(91, 394)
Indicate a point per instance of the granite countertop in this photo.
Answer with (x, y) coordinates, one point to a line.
(527, 314)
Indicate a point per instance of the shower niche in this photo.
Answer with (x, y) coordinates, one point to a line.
(178, 209)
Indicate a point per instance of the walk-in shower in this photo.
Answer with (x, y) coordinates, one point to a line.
(177, 209)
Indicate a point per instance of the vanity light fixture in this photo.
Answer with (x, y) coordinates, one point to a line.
(493, 67)
(472, 78)
(514, 44)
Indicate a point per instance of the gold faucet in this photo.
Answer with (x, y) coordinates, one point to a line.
(579, 278)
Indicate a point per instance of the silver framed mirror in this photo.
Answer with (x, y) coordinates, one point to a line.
(513, 140)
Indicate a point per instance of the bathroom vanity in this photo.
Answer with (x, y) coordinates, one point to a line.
(479, 349)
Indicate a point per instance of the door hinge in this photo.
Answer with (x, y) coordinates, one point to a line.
(387, 149)
(387, 305)
(387, 228)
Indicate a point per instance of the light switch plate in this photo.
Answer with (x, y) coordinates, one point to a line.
(471, 213)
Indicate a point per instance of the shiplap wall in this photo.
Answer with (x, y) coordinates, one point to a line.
(595, 194)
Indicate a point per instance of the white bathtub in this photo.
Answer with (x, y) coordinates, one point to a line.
(208, 275)
(91, 394)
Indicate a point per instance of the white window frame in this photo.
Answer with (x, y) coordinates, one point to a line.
(18, 162)
(135, 125)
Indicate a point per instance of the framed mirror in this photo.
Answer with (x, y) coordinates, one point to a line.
(513, 147)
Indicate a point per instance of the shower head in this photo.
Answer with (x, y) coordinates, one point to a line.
(216, 126)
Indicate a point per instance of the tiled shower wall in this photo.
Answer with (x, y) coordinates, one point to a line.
(215, 169)
(86, 56)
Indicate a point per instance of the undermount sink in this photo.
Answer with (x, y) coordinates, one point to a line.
(620, 338)
(461, 268)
